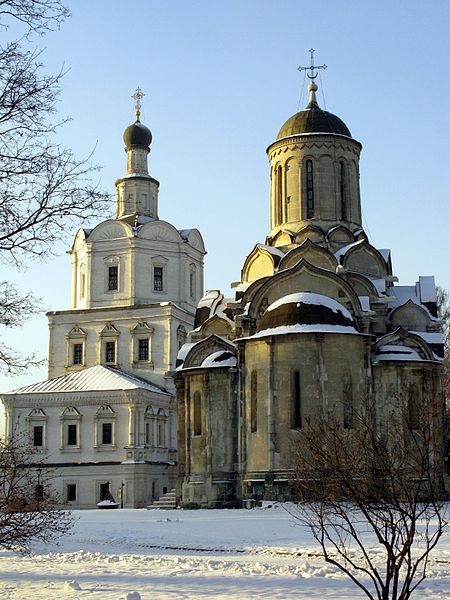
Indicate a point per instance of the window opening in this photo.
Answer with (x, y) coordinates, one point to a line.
(71, 492)
(106, 433)
(254, 402)
(279, 195)
(348, 406)
(110, 352)
(82, 284)
(309, 190)
(158, 279)
(113, 278)
(192, 283)
(143, 349)
(71, 435)
(147, 433)
(197, 414)
(78, 354)
(38, 435)
(296, 397)
(342, 191)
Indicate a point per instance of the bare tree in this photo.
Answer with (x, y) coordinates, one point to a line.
(29, 507)
(369, 483)
(44, 189)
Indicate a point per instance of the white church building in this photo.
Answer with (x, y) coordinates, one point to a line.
(105, 420)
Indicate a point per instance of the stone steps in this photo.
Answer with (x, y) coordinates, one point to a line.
(166, 502)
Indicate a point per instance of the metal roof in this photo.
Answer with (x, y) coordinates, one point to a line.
(93, 379)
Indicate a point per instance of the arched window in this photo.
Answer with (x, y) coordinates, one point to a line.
(279, 186)
(254, 401)
(296, 401)
(197, 414)
(309, 190)
(342, 190)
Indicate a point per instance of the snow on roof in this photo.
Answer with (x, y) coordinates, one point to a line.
(303, 328)
(340, 253)
(184, 350)
(93, 379)
(427, 288)
(380, 285)
(403, 293)
(430, 337)
(385, 253)
(365, 303)
(208, 298)
(222, 358)
(310, 298)
(272, 249)
(242, 287)
(392, 352)
(184, 233)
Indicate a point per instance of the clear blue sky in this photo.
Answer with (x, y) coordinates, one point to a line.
(220, 79)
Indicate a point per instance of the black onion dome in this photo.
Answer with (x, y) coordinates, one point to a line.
(313, 120)
(305, 308)
(137, 135)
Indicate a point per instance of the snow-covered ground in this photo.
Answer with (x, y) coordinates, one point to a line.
(190, 555)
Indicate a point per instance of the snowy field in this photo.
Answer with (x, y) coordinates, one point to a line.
(190, 555)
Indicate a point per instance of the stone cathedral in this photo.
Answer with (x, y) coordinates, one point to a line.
(105, 420)
(153, 383)
(317, 323)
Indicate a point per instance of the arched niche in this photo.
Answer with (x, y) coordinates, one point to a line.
(340, 236)
(259, 263)
(364, 258)
(282, 238)
(111, 230)
(314, 254)
(362, 285)
(159, 230)
(292, 197)
(304, 277)
(219, 326)
(310, 233)
(401, 337)
(410, 316)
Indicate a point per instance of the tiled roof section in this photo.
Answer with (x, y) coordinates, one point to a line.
(93, 379)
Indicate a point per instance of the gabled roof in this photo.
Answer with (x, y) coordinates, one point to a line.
(93, 379)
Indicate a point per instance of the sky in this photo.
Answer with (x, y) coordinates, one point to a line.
(220, 78)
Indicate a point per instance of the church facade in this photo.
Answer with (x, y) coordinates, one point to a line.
(316, 325)
(105, 420)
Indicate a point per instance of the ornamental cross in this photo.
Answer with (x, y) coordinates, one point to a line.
(312, 67)
(138, 97)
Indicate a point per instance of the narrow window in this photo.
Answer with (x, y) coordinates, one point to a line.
(113, 278)
(71, 492)
(413, 409)
(197, 414)
(106, 433)
(192, 283)
(342, 191)
(348, 405)
(39, 492)
(71, 435)
(296, 401)
(110, 352)
(38, 435)
(143, 349)
(161, 434)
(78, 354)
(279, 185)
(254, 401)
(309, 190)
(158, 279)
(147, 433)
(82, 284)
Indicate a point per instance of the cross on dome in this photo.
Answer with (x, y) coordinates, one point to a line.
(312, 66)
(138, 95)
